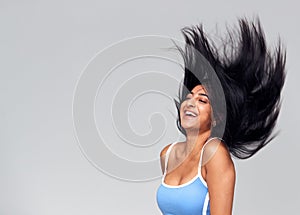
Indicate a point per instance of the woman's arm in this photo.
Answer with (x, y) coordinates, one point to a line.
(220, 178)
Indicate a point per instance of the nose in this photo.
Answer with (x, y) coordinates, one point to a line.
(191, 102)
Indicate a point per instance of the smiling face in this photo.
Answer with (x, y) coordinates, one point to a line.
(195, 111)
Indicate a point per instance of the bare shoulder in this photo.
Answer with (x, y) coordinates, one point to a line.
(163, 156)
(217, 157)
(164, 150)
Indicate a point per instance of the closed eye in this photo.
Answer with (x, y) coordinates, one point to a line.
(203, 101)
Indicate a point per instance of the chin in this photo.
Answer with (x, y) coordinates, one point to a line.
(190, 126)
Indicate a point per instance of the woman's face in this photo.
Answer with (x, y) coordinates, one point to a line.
(195, 111)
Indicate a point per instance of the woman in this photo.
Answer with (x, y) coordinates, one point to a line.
(228, 105)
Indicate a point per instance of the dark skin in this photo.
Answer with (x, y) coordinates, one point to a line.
(218, 172)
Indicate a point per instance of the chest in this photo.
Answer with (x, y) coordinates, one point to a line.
(190, 198)
(183, 172)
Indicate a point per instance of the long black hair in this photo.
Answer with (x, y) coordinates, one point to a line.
(251, 78)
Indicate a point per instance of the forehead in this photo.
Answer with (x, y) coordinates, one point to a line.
(199, 89)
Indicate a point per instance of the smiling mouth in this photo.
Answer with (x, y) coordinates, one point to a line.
(190, 114)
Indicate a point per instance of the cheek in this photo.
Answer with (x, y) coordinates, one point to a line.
(206, 113)
(182, 106)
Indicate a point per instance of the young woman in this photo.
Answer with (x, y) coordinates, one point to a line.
(228, 105)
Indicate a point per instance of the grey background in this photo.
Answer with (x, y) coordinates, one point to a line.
(45, 45)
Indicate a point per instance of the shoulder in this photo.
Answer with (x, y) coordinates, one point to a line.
(218, 159)
(163, 156)
(164, 150)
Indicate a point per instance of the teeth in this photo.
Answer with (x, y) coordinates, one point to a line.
(190, 113)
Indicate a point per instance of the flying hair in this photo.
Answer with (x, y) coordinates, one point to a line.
(251, 76)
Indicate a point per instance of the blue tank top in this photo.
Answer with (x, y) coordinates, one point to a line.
(190, 198)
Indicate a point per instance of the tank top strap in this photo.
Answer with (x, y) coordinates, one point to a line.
(201, 153)
(167, 156)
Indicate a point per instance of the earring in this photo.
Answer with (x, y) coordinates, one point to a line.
(214, 123)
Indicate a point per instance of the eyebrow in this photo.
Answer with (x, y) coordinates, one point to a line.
(200, 94)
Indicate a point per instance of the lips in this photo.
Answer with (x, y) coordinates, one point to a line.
(190, 113)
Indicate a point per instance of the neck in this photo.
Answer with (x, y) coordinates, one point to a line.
(195, 142)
